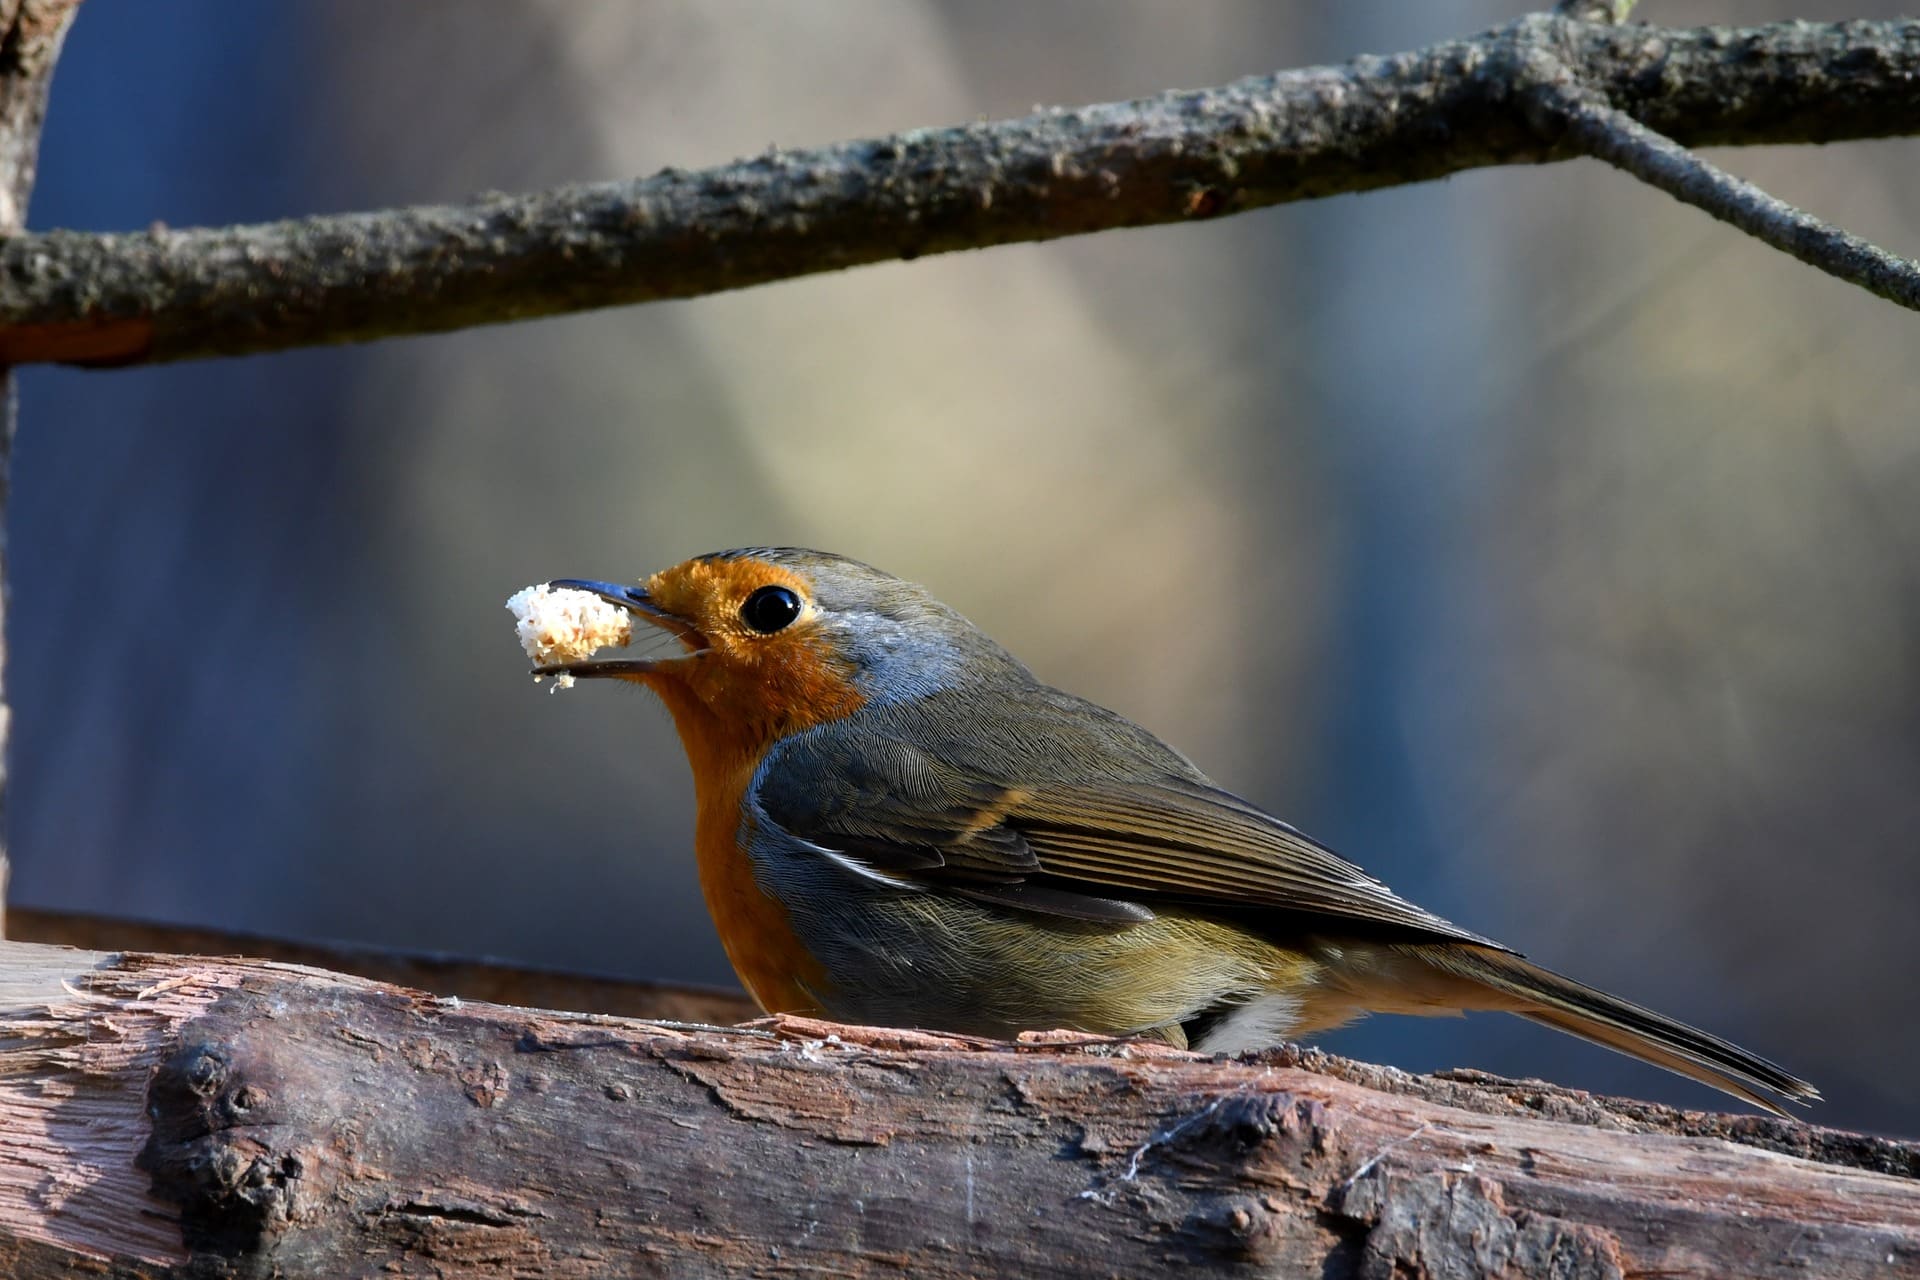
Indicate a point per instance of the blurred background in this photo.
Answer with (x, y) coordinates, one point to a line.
(1544, 546)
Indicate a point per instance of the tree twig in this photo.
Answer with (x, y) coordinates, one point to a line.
(1374, 122)
(1609, 134)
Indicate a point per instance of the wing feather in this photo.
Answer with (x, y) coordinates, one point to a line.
(1209, 844)
(1038, 800)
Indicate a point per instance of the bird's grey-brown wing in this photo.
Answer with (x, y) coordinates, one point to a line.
(1052, 804)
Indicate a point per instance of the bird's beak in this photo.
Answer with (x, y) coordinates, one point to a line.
(636, 601)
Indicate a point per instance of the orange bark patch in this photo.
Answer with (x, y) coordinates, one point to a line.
(88, 342)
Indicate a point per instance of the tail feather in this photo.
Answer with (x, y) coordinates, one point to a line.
(1542, 996)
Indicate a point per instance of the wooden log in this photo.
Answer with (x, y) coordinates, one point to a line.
(162, 1116)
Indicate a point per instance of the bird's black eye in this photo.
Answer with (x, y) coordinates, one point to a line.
(769, 609)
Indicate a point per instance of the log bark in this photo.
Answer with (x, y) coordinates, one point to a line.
(164, 1116)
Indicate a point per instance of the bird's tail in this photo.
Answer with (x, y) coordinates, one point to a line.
(1542, 996)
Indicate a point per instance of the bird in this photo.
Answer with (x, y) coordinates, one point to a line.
(898, 824)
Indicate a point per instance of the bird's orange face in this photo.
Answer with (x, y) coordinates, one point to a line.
(757, 658)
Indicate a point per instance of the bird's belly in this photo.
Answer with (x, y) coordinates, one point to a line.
(933, 960)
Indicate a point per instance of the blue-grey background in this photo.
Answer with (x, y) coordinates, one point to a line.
(1544, 546)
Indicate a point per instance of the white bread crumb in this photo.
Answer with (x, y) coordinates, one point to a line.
(559, 624)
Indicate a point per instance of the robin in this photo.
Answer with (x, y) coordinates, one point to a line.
(899, 824)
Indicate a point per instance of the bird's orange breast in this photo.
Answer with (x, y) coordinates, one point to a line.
(775, 967)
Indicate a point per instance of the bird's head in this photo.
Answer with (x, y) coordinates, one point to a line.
(777, 639)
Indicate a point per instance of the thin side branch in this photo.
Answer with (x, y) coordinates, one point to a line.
(31, 33)
(1375, 122)
(1609, 134)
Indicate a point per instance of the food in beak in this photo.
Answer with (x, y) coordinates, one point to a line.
(559, 624)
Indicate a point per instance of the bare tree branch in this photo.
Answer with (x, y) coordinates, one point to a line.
(1375, 122)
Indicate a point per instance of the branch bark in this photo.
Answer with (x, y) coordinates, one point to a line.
(167, 1116)
(1377, 121)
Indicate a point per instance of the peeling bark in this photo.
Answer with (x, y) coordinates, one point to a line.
(467, 978)
(166, 1116)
